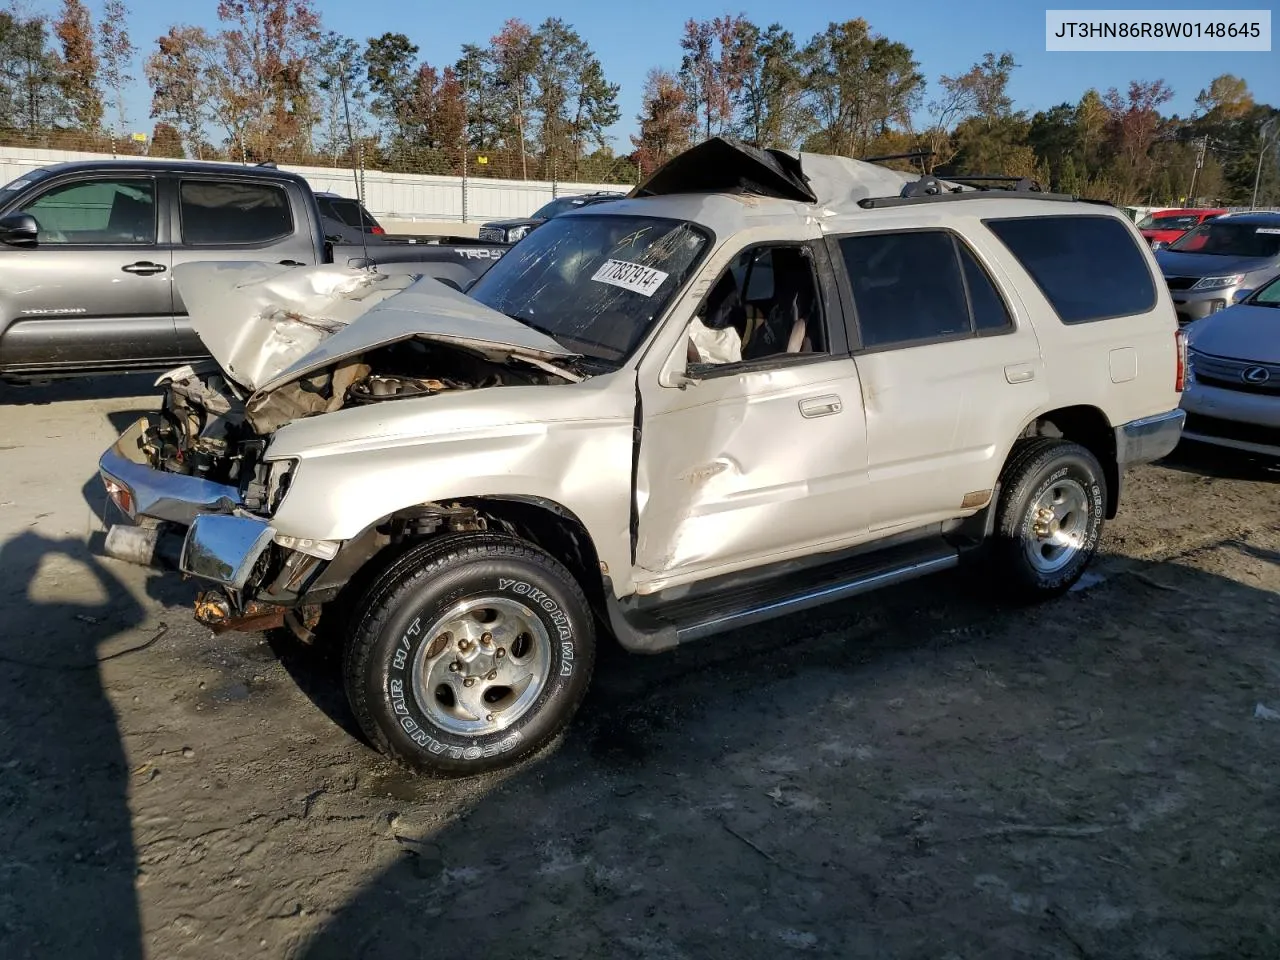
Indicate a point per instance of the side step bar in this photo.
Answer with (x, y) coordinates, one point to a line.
(651, 625)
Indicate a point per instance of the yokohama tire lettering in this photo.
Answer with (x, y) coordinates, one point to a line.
(427, 742)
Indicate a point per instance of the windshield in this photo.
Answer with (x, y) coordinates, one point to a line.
(1227, 238)
(1267, 295)
(595, 284)
(554, 208)
(1169, 223)
(346, 211)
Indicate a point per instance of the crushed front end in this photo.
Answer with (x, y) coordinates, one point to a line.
(199, 494)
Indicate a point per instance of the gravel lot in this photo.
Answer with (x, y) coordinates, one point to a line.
(914, 774)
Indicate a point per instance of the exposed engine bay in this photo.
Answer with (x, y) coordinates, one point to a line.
(213, 428)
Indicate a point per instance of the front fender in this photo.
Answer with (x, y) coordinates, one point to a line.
(583, 465)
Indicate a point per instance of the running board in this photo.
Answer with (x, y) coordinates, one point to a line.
(650, 625)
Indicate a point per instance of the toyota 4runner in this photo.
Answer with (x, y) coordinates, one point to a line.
(763, 381)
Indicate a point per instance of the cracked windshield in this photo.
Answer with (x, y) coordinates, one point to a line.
(594, 283)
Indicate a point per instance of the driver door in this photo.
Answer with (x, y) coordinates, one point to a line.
(96, 288)
(757, 458)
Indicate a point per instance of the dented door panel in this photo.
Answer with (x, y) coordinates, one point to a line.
(738, 469)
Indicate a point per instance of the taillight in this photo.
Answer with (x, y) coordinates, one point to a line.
(1180, 378)
(377, 231)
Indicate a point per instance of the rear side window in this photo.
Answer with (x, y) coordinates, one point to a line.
(1088, 268)
(919, 286)
(232, 213)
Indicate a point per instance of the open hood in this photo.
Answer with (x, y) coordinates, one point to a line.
(268, 324)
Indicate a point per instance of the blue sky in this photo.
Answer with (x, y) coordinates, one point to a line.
(630, 38)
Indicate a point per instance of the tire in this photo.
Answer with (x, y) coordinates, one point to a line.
(1036, 556)
(478, 607)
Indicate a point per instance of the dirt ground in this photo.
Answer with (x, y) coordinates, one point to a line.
(917, 774)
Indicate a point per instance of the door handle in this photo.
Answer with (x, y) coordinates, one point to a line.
(820, 406)
(144, 268)
(292, 263)
(1019, 373)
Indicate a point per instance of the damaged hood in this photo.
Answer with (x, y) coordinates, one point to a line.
(268, 324)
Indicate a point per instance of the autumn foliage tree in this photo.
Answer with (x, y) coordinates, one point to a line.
(79, 75)
(666, 122)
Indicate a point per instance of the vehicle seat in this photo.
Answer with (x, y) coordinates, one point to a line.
(130, 218)
(784, 328)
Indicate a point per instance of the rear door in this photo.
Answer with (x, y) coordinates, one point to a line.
(95, 290)
(949, 371)
(241, 218)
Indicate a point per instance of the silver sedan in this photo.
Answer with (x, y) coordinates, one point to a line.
(1232, 395)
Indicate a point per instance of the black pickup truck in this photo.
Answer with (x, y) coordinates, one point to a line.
(87, 252)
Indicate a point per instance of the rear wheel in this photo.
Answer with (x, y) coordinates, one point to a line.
(1049, 518)
(469, 653)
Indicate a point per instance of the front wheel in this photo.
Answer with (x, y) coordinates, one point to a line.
(1049, 518)
(469, 653)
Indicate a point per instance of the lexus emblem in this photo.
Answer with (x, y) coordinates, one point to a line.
(1256, 375)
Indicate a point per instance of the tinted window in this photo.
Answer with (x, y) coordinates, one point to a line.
(97, 211)
(907, 287)
(989, 311)
(349, 212)
(1089, 268)
(233, 213)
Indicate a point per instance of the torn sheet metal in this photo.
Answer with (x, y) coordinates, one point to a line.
(268, 325)
(726, 165)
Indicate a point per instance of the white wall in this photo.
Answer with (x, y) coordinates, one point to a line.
(401, 196)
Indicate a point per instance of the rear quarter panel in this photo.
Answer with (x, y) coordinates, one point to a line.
(1124, 365)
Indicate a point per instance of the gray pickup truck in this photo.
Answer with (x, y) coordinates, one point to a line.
(88, 249)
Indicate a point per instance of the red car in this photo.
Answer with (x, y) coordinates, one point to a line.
(1166, 226)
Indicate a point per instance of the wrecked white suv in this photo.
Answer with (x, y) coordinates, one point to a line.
(764, 381)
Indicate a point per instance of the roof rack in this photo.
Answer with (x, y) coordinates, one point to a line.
(931, 189)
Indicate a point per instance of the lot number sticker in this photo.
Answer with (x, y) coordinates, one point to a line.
(630, 276)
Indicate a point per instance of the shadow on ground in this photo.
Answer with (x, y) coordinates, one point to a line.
(909, 775)
(112, 387)
(66, 856)
(1221, 462)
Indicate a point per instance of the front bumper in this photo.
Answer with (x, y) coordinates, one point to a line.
(1190, 308)
(1232, 418)
(222, 544)
(1149, 439)
(154, 493)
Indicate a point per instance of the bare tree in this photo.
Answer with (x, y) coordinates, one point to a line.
(117, 52)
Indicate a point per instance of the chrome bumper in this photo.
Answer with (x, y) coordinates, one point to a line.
(220, 545)
(1148, 439)
(155, 493)
(225, 549)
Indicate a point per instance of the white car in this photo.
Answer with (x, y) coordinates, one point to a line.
(764, 382)
(1232, 397)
